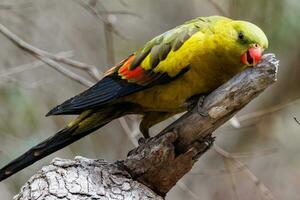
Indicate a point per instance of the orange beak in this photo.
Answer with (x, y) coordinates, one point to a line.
(252, 56)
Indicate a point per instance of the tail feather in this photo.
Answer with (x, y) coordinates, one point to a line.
(80, 127)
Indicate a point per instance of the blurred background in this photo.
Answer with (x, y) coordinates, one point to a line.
(256, 154)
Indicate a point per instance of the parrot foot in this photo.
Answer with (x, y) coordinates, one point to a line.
(197, 101)
(201, 111)
(192, 102)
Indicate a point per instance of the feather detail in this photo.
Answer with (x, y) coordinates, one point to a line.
(132, 75)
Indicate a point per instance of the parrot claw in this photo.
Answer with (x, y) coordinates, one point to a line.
(201, 111)
(197, 101)
(192, 102)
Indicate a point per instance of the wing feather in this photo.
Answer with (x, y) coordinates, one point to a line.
(130, 75)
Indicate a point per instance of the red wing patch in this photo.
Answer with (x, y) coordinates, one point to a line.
(136, 75)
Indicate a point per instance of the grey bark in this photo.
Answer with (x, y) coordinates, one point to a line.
(154, 167)
(83, 178)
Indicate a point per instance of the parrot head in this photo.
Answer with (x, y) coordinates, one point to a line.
(251, 42)
(242, 40)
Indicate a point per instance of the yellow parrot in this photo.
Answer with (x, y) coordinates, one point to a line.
(157, 81)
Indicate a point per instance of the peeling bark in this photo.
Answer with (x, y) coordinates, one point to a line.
(154, 167)
(83, 178)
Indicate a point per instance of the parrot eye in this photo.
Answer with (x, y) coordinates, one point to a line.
(241, 35)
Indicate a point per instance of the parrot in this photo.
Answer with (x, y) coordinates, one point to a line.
(157, 81)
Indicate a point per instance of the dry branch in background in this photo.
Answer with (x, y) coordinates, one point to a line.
(296, 120)
(53, 60)
(159, 162)
(232, 161)
(104, 16)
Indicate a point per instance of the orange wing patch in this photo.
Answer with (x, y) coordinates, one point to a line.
(136, 75)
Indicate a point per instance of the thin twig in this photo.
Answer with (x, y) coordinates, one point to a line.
(6, 75)
(103, 18)
(265, 192)
(23, 84)
(262, 152)
(108, 30)
(228, 165)
(259, 114)
(109, 44)
(45, 57)
(32, 65)
(91, 70)
(65, 71)
(254, 154)
(296, 120)
(6, 6)
(108, 34)
(120, 12)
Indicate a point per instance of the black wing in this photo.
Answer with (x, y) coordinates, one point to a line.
(129, 76)
(107, 90)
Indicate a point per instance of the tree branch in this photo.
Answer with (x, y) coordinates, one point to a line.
(164, 159)
(158, 162)
(103, 17)
(90, 69)
(264, 191)
(83, 179)
(30, 66)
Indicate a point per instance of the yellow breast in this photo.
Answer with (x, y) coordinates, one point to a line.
(209, 68)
